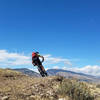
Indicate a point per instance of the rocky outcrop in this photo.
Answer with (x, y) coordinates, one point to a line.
(16, 86)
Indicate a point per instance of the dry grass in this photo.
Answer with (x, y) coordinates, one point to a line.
(17, 86)
(75, 90)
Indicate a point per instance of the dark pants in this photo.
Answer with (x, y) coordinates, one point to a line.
(36, 61)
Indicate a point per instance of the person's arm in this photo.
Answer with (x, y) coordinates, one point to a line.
(41, 57)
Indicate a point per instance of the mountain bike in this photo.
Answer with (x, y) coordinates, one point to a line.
(42, 72)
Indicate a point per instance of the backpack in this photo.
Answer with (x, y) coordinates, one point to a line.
(33, 54)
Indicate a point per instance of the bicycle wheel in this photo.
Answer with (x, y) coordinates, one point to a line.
(41, 72)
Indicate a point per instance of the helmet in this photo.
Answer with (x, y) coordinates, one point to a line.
(37, 52)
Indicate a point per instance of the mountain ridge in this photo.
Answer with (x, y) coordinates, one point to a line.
(71, 74)
(61, 72)
(27, 72)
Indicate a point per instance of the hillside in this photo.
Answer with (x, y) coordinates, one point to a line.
(27, 72)
(17, 86)
(70, 75)
(65, 73)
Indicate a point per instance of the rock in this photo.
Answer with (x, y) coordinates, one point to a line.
(61, 98)
(5, 98)
(32, 97)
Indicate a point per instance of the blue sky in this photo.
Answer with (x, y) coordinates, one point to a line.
(66, 29)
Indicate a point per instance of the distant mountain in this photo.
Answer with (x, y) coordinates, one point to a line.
(71, 74)
(61, 72)
(27, 72)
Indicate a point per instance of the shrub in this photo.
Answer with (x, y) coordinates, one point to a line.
(75, 90)
(98, 86)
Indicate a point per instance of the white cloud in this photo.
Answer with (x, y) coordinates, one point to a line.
(91, 70)
(15, 59)
(5, 55)
(55, 67)
(54, 60)
(7, 58)
(65, 68)
(34, 69)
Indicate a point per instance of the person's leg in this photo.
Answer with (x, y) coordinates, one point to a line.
(40, 64)
(42, 67)
(44, 70)
(40, 70)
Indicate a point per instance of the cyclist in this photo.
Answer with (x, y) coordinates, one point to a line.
(36, 62)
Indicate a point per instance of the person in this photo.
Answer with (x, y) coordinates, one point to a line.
(36, 62)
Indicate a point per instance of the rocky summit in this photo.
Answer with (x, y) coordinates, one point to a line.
(17, 86)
